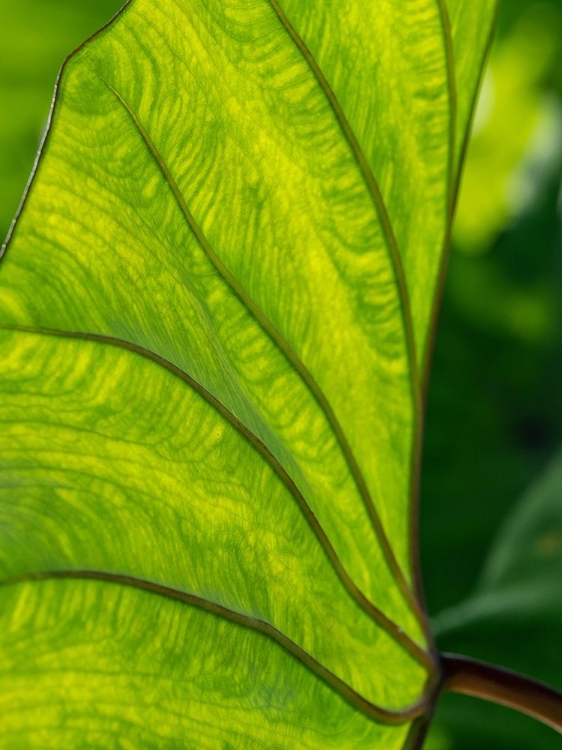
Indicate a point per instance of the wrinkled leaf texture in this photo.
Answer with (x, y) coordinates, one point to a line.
(215, 312)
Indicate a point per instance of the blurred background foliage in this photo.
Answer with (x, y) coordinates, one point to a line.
(492, 470)
(492, 466)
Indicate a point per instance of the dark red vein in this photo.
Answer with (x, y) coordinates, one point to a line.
(453, 200)
(453, 181)
(291, 357)
(415, 557)
(390, 627)
(373, 711)
(401, 285)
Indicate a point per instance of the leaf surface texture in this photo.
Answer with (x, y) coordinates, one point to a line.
(213, 306)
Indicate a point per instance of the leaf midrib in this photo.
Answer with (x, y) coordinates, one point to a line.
(414, 596)
(428, 344)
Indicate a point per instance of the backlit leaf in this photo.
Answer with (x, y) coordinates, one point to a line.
(214, 305)
(36, 36)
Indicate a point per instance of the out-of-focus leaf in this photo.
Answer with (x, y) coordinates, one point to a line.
(495, 409)
(209, 374)
(517, 135)
(519, 591)
(494, 414)
(515, 613)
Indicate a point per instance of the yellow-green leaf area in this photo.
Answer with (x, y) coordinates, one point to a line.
(135, 470)
(237, 162)
(213, 308)
(201, 682)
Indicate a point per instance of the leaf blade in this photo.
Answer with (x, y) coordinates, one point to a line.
(162, 340)
(234, 536)
(276, 290)
(178, 691)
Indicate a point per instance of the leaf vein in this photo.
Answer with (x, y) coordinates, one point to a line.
(388, 625)
(291, 357)
(372, 710)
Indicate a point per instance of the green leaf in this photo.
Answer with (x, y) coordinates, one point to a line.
(36, 36)
(168, 676)
(516, 605)
(212, 316)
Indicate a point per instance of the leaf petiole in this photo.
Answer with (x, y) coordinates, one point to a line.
(481, 680)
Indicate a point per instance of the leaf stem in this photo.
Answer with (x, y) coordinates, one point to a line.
(481, 680)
